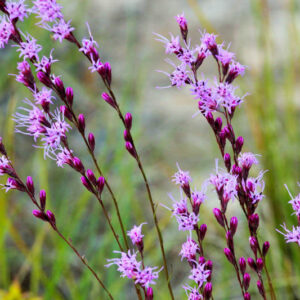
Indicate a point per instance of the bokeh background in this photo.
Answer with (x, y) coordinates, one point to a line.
(36, 264)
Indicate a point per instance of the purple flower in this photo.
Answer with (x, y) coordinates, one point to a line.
(235, 69)
(64, 157)
(254, 188)
(11, 184)
(47, 10)
(192, 293)
(136, 235)
(89, 45)
(181, 20)
(199, 274)
(128, 266)
(209, 40)
(17, 10)
(4, 165)
(224, 56)
(30, 48)
(61, 30)
(96, 66)
(187, 221)
(291, 236)
(181, 177)
(189, 250)
(247, 159)
(43, 96)
(6, 30)
(147, 276)
(45, 63)
(171, 46)
(296, 205)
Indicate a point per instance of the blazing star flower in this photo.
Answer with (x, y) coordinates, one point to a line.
(6, 30)
(224, 56)
(181, 177)
(11, 184)
(199, 274)
(4, 165)
(47, 10)
(61, 29)
(43, 96)
(128, 266)
(30, 48)
(171, 46)
(96, 66)
(295, 202)
(147, 276)
(63, 157)
(209, 40)
(247, 159)
(189, 250)
(291, 236)
(254, 187)
(186, 56)
(17, 10)
(187, 221)
(235, 69)
(198, 197)
(181, 20)
(45, 63)
(88, 45)
(25, 75)
(192, 293)
(135, 234)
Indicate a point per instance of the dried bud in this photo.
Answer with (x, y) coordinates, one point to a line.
(87, 184)
(207, 291)
(109, 100)
(128, 120)
(39, 214)
(242, 263)
(239, 144)
(91, 140)
(247, 296)
(69, 95)
(246, 281)
(265, 248)
(219, 217)
(227, 161)
(253, 222)
(66, 112)
(100, 184)
(251, 263)
(60, 87)
(51, 217)
(130, 149)
(233, 225)
(259, 264)
(81, 123)
(43, 199)
(44, 78)
(260, 288)
(90, 175)
(202, 231)
(229, 255)
(30, 185)
(78, 166)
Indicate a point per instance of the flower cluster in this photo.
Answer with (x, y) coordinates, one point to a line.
(293, 235)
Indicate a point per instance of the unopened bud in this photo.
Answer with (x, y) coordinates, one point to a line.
(81, 123)
(91, 140)
(69, 95)
(219, 217)
(30, 185)
(43, 199)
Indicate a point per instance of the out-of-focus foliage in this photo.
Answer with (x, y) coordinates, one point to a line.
(265, 36)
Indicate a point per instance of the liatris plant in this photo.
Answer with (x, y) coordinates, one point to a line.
(49, 124)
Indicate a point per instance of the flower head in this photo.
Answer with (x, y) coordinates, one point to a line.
(189, 250)
(6, 30)
(254, 188)
(181, 177)
(291, 236)
(4, 165)
(63, 157)
(136, 235)
(147, 276)
(89, 45)
(61, 30)
(172, 45)
(45, 63)
(44, 96)
(199, 274)
(247, 159)
(192, 293)
(29, 49)
(47, 10)
(181, 20)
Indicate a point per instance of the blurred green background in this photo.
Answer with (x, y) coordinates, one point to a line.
(265, 35)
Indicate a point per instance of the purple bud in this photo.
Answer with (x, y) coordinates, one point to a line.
(222, 138)
(107, 69)
(229, 240)
(81, 123)
(51, 217)
(44, 78)
(253, 222)
(207, 291)
(265, 248)
(130, 149)
(39, 214)
(242, 263)
(201, 260)
(233, 225)
(69, 95)
(60, 87)
(66, 112)
(246, 281)
(109, 100)
(260, 264)
(210, 119)
(100, 184)
(247, 296)
(87, 184)
(239, 144)
(229, 255)
(90, 175)
(251, 263)
(218, 124)
(91, 140)
(128, 120)
(149, 293)
(260, 288)
(202, 231)
(236, 170)
(30, 185)
(127, 136)
(2, 148)
(209, 265)
(227, 161)
(253, 244)
(43, 199)
(78, 166)
(219, 217)
(181, 20)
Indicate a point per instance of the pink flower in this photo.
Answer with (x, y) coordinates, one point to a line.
(181, 177)
(44, 96)
(47, 10)
(291, 236)
(247, 159)
(296, 205)
(224, 56)
(171, 46)
(6, 30)
(192, 293)
(181, 20)
(147, 276)
(4, 165)
(63, 157)
(254, 188)
(45, 63)
(209, 40)
(89, 45)
(187, 221)
(189, 250)
(199, 274)
(30, 48)
(17, 10)
(136, 235)
(61, 30)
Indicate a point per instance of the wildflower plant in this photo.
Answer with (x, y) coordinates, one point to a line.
(49, 115)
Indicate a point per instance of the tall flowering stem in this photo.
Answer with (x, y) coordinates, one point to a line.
(222, 99)
(14, 182)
